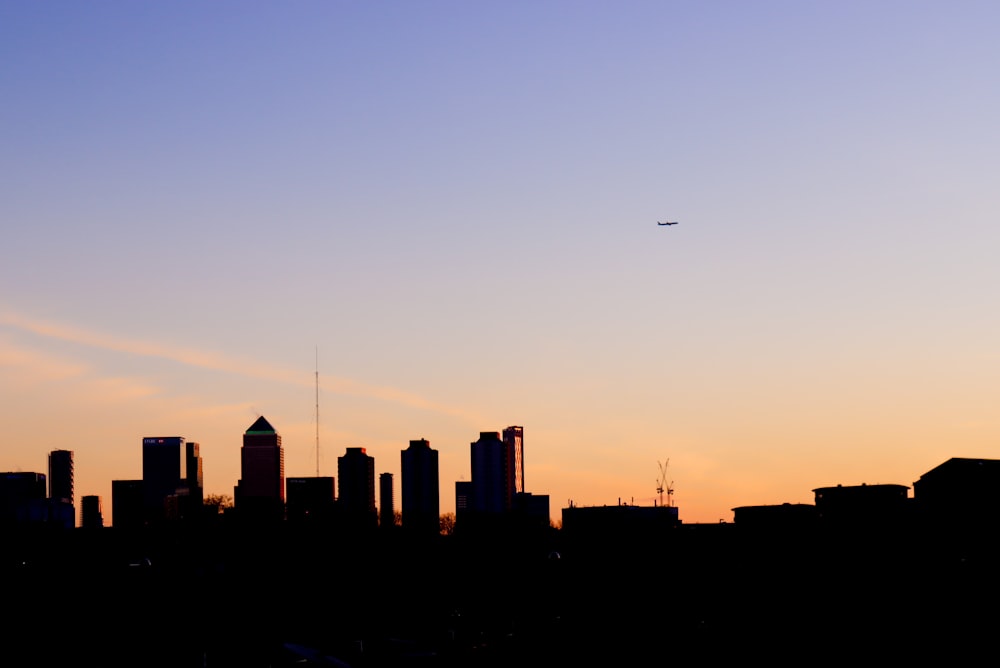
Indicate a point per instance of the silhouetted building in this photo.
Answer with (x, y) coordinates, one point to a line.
(309, 499)
(492, 477)
(513, 438)
(61, 476)
(387, 507)
(127, 504)
(609, 524)
(960, 491)
(172, 482)
(531, 510)
(91, 516)
(421, 489)
(261, 489)
(356, 480)
(60, 480)
(22, 498)
(782, 516)
(862, 505)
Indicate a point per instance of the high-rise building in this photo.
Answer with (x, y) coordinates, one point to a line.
(91, 516)
(261, 488)
(387, 507)
(61, 476)
(356, 481)
(22, 498)
(492, 477)
(513, 438)
(421, 497)
(172, 483)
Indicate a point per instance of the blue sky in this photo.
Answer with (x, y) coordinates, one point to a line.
(449, 210)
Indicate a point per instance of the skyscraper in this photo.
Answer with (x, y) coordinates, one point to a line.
(60, 479)
(513, 438)
(91, 516)
(172, 483)
(421, 495)
(356, 480)
(261, 489)
(22, 498)
(387, 506)
(61, 476)
(492, 477)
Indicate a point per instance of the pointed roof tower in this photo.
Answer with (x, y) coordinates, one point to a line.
(261, 426)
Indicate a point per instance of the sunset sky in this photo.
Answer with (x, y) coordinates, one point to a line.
(448, 210)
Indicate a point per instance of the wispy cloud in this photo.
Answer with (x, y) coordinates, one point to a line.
(217, 362)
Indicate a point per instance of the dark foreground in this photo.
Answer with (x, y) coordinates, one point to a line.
(698, 594)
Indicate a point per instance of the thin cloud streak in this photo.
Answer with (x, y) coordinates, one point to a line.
(216, 362)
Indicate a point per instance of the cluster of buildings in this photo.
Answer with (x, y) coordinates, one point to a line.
(959, 492)
(172, 488)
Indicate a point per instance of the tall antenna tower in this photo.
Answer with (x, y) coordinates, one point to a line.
(317, 411)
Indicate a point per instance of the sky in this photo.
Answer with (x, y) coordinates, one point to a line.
(379, 222)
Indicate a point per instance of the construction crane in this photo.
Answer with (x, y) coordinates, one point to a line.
(663, 486)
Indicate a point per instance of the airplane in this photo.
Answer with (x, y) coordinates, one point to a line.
(659, 223)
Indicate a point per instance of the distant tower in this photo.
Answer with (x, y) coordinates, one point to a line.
(261, 489)
(513, 438)
(421, 489)
(356, 480)
(387, 507)
(171, 479)
(61, 476)
(22, 498)
(91, 516)
(492, 477)
(60, 479)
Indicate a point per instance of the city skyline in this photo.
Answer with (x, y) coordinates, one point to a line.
(379, 224)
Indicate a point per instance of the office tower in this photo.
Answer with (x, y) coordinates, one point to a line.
(91, 516)
(126, 504)
(194, 476)
(22, 498)
(513, 438)
(261, 489)
(356, 480)
(421, 497)
(309, 499)
(61, 476)
(387, 508)
(171, 478)
(492, 477)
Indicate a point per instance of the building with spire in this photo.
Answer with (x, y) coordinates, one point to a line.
(260, 490)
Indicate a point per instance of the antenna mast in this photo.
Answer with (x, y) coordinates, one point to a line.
(317, 411)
